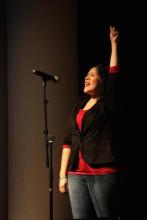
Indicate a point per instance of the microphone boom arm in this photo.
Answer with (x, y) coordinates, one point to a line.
(46, 76)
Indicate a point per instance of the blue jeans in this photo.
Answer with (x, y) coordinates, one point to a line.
(95, 196)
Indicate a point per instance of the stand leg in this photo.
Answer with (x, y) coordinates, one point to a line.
(50, 140)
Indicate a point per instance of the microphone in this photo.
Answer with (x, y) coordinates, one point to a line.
(46, 76)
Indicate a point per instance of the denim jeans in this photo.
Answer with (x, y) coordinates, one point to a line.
(95, 196)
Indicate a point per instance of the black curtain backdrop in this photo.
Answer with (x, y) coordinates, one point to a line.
(95, 17)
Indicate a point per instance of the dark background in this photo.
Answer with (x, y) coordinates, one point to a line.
(95, 17)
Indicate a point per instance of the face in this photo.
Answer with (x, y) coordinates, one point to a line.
(92, 82)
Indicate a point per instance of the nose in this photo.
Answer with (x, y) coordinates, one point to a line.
(86, 77)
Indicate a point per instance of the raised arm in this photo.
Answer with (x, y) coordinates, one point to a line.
(114, 70)
(114, 38)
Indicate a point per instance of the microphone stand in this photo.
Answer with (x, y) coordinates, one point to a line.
(48, 146)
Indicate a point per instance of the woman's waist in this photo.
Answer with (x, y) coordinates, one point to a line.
(103, 168)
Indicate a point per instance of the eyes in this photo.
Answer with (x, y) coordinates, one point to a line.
(93, 75)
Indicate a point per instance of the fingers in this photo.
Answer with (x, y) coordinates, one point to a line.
(113, 30)
(62, 189)
(63, 185)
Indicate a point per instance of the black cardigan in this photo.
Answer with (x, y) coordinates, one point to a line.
(97, 139)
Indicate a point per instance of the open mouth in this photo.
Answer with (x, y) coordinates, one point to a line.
(87, 84)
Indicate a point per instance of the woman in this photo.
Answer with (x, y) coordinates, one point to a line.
(91, 167)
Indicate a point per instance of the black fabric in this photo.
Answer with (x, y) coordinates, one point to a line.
(96, 140)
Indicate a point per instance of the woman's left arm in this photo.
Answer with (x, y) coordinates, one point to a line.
(114, 38)
(114, 70)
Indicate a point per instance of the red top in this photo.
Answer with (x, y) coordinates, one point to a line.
(83, 167)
